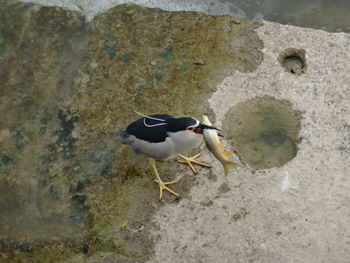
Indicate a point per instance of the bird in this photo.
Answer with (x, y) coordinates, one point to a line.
(162, 137)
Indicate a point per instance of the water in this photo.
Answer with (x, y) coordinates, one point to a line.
(264, 131)
(332, 16)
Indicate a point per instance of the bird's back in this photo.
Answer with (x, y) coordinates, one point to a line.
(152, 129)
(161, 136)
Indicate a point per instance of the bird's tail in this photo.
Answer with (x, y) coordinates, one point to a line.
(124, 137)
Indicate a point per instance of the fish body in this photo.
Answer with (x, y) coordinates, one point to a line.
(213, 143)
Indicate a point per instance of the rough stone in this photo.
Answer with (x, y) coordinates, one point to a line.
(70, 190)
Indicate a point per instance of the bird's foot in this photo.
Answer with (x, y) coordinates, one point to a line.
(163, 186)
(190, 160)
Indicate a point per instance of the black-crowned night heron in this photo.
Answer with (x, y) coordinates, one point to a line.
(161, 137)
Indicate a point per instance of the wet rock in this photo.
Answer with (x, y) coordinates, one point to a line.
(39, 60)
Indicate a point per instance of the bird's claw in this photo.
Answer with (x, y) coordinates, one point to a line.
(190, 160)
(163, 186)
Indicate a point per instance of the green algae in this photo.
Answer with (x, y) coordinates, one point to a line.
(154, 69)
(162, 59)
(15, 18)
(37, 71)
(264, 131)
(68, 107)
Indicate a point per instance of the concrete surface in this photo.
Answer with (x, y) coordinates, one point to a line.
(295, 213)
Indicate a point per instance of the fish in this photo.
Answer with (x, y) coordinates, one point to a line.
(211, 139)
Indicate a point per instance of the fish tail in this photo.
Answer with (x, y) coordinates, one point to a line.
(228, 166)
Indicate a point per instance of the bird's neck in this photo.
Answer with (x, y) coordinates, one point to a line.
(185, 140)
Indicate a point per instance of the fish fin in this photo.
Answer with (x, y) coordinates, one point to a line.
(228, 166)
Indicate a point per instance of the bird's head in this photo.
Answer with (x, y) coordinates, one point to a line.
(189, 124)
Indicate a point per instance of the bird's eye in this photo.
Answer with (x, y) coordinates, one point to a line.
(190, 128)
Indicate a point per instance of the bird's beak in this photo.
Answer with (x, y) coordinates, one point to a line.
(201, 127)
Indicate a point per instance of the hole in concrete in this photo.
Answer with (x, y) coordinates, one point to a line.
(264, 131)
(293, 60)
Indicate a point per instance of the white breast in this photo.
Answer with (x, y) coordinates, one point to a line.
(185, 141)
(176, 143)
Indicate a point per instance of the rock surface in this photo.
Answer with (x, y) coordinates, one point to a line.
(69, 189)
(70, 192)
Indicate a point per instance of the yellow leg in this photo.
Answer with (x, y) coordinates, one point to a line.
(162, 185)
(190, 160)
